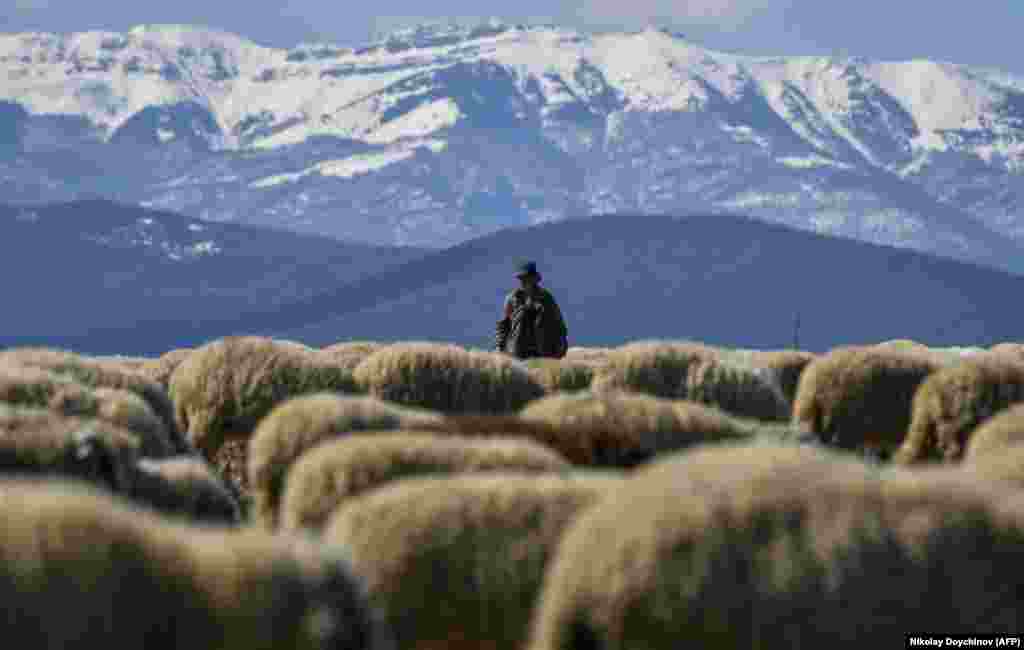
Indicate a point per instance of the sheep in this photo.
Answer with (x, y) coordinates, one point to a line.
(861, 397)
(161, 368)
(957, 351)
(131, 363)
(695, 372)
(303, 423)
(97, 374)
(31, 387)
(115, 576)
(447, 379)
(224, 388)
(298, 346)
(595, 356)
(608, 442)
(342, 469)
(954, 401)
(626, 429)
(1005, 464)
(185, 486)
(475, 546)
(582, 445)
(349, 354)
(904, 344)
(997, 434)
(34, 387)
(41, 442)
(658, 368)
(723, 548)
(124, 409)
(1010, 350)
(560, 375)
(786, 365)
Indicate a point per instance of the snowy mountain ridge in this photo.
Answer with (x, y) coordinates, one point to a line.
(436, 134)
(328, 90)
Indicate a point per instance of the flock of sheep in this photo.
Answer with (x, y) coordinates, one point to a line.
(260, 494)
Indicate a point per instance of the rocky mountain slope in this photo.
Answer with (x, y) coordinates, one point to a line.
(438, 134)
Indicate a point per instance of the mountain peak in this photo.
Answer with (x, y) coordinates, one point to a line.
(430, 34)
(178, 34)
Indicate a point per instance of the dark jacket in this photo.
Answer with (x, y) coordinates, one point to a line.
(532, 327)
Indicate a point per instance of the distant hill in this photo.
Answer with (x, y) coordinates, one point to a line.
(71, 268)
(721, 279)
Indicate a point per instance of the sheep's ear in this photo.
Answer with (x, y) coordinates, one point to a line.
(95, 461)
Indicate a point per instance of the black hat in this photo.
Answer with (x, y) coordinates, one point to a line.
(527, 269)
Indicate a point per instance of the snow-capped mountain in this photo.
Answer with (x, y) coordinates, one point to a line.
(438, 134)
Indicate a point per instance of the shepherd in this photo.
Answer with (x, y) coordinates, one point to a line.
(532, 325)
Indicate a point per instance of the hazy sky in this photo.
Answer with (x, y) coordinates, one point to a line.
(986, 32)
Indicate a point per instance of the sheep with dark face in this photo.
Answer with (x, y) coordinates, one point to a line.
(224, 388)
(954, 401)
(98, 374)
(749, 548)
(334, 472)
(120, 577)
(447, 379)
(695, 372)
(786, 366)
(301, 424)
(478, 545)
(36, 388)
(859, 398)
(187, 487)
(43, 443)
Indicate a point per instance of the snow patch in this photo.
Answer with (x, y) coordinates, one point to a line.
(205, 248)
(350, 167)
(278, 179)
(812, 161)
(916, 165)
(744, 134)
(361, 164)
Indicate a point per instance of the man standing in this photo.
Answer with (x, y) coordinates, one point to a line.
(532, 325)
